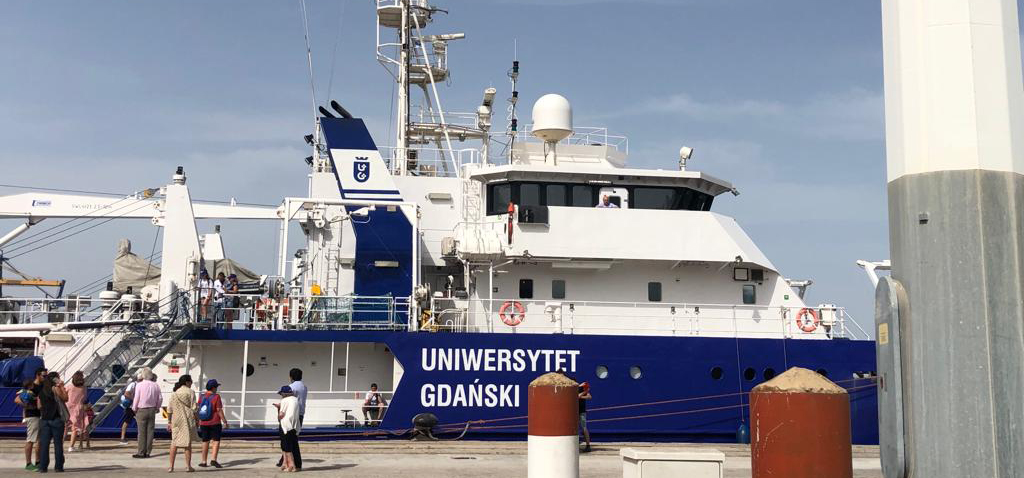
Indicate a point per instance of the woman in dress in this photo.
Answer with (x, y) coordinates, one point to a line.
(76, 410)
(181, 421)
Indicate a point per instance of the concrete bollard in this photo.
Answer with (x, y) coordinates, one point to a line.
(800, 427)
(552, 444)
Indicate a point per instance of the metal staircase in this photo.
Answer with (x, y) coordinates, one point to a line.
(141, 345)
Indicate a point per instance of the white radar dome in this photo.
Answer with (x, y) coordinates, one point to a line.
(552, 118)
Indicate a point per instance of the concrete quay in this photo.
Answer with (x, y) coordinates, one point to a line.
(379, 458)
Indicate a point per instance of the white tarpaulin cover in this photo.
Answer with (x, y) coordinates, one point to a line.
(228, 267)
(131, 270)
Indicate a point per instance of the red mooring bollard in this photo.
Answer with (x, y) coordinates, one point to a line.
(800, 427)
(552, 444)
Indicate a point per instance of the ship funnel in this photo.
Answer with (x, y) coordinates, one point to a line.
(341, 110)
(326, 113)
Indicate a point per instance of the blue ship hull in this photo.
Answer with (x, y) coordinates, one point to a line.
(685, 388)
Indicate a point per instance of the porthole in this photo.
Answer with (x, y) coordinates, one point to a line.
(249, 370)
(601, 372)
(716, 373)
(769, 373)
(749, 374)
(635, 372)
(822, 372)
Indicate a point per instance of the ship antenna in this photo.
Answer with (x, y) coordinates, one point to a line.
(309, 61)
(513, 122)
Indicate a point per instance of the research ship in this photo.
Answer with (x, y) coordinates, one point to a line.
(450, 269)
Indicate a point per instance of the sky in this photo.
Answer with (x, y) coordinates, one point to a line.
(783, 98)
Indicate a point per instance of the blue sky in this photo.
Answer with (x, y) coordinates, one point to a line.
(783, 98)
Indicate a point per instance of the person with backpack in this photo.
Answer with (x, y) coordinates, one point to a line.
(126, 407)
(211, 421)
(26, 399)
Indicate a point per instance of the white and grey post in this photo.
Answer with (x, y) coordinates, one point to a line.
(954, 109)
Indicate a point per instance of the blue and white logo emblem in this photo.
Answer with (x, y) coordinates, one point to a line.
(41, 203)
(361, 169)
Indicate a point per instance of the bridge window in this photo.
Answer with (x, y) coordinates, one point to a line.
(525, 288)
(586, 195)
(556, 195)
(498, 198)
(529, 195)
(583, 196)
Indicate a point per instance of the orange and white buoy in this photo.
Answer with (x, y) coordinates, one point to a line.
(553, 445)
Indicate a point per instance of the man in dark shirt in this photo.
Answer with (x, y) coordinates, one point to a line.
(584, 395)
(28, 402)
(51, 423)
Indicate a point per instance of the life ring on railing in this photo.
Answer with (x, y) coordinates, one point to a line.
(516, 317)
(807, 324)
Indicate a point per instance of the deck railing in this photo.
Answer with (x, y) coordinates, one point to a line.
(311, 312)
(638, 318)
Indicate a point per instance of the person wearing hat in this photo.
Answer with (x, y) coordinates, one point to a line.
(288, 416)
(210, 410)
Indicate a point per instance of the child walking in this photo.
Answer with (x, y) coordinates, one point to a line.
(288, 417)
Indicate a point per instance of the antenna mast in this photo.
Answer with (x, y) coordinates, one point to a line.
(513, 123)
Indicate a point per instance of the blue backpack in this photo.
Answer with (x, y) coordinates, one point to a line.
(206, 407)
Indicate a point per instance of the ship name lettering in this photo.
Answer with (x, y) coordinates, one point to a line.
(474, 394)
(497, 360)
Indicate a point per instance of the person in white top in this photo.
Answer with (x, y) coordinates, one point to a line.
(129, 414)
(205, 286)
(288, 415)
(373, 406)
(218, 298)
(606, 203)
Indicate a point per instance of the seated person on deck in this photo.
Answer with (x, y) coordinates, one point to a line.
(373, 406)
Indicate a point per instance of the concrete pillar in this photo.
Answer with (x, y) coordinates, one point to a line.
(552, 444)
(954, 107)
(801, 427)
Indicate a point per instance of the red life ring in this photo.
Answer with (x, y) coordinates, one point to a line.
(805, 324)
(514, 318)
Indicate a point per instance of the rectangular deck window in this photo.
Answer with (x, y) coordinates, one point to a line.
(583, 196)
(556, 195)
(529, 194)
(654, 291)
(558, 289)
(749, 294)
(498, 198)
(525, 288)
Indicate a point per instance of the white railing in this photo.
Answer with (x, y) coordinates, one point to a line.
(636, 318)
(432, 161)
(310, 312)
(582, 135)
(76, 309)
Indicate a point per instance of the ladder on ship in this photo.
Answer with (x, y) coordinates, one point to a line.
(139, 349)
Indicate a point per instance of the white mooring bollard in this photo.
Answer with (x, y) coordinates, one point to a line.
(553, 445)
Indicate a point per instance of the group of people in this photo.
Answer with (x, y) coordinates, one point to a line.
(218, 296)
(50, 411)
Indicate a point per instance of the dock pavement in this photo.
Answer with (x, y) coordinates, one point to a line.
(378, 458)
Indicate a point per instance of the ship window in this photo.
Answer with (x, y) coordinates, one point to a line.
(601, 372)
(654, 291)
(583, 196)
(652, 198)
(716, 373)
(749, 294)
(556, 195)
(525, 288)
(769, 373)
(558, 289)
(749, 374)
(529, 194)
(498, 199)
(822, 372)
(636, 372)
